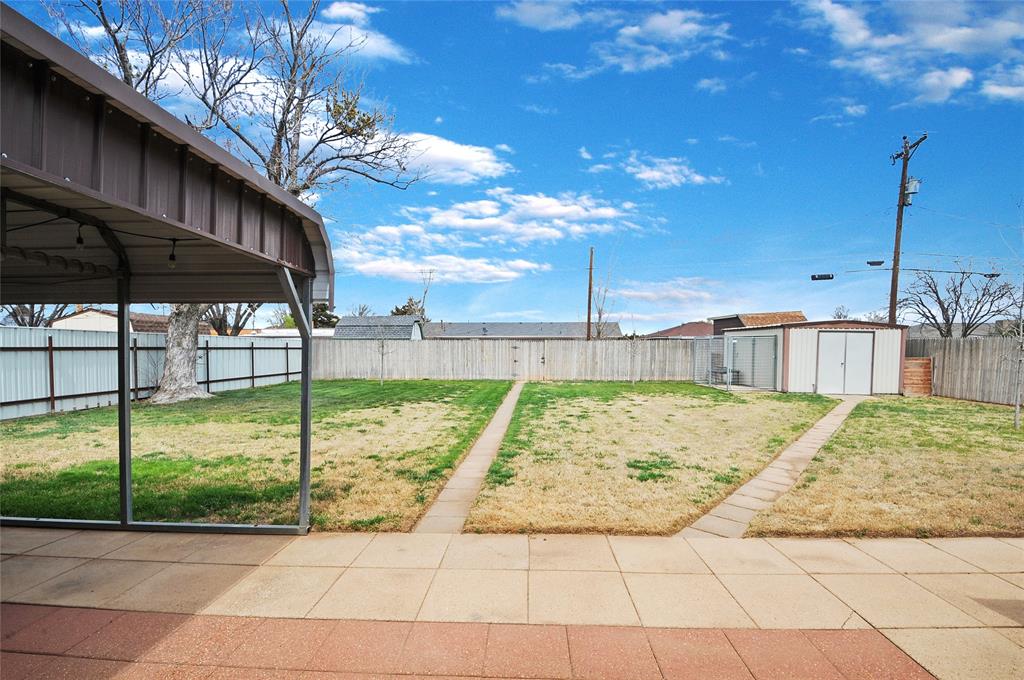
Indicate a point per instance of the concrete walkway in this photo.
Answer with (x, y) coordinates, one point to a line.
(956, 606)
(729, 519)
(448, 513)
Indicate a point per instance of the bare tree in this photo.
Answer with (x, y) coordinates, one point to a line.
(878, 316)
(275, 93)
(360, 310)
(841, 312)
(964, 301)
(230, 319)
(635, 347)
(34, 315)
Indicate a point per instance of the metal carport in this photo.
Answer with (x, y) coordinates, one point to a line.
(99, 187)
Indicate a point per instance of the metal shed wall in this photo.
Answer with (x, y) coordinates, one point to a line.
(802, 359)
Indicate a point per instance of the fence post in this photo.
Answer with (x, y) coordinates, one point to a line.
(53, 391)
(252, 363)
(207, 354)
(287, 373)
(135, 367)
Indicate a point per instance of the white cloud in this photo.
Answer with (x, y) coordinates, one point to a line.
(855, 110)
(712, 85)
(598, 168)
(446, 162)
(1005, 84)
(446, 268)
(539, 110)
(939, 85)
(663, 173)
(349, 12)
(666, 293)
(692, 140)
(798, 51)
(504, 148)
(552, 16)
(438, 120)
(584, 154)
(931, 50)
(732, 139)
(843, 110)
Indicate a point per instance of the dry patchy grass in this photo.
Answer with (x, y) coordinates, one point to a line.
(380, 455)
(643, 459)
(910, 467)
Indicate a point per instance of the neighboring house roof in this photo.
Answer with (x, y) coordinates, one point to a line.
(141, 322)
(518, 329)
(377, 327)
(690, 329)
(765, 318)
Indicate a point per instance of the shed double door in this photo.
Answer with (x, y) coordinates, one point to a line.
(844, 362)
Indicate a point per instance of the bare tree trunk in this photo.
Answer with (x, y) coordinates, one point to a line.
(178, 382)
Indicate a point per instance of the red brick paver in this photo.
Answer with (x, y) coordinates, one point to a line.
(89, 643)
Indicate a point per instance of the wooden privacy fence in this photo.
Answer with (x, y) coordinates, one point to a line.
(979, 369)
(45, 370)
(501, 359)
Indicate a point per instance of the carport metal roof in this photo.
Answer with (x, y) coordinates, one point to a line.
(100, 186)
(79, 147)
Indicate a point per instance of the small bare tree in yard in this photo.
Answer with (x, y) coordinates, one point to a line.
(270, 86)
(962, 302)
(230, 319)
(636, 344)
(841, 312)
(360, 310)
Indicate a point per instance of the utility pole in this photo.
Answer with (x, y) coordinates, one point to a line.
(905, 154)
(590, 290)
(1020, 356)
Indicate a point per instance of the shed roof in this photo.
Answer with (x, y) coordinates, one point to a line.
(832, 324)
(518, 329)
(690, 329)
(399, 327)
(764, 318)
(86, 155)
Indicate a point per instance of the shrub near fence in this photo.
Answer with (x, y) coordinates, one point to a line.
(46, 370)
(503, 359)
(979, 369)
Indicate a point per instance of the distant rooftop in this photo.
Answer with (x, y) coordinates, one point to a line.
(518, 329)
(690, 329)
(401, 327)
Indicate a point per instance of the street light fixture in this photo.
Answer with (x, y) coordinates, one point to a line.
(822, 277)
(875, 263)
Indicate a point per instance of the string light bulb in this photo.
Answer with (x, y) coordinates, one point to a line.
(172, 260)
(79, 241)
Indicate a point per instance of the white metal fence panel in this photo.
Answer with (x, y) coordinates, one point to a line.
(47, 369)
(979, 369)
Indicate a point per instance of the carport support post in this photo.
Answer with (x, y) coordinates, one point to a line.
(306, 410)
(124, 401)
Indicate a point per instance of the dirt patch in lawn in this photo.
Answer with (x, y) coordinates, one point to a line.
(633, 463)
(910, 467)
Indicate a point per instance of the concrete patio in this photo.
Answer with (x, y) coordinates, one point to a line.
(955, 606)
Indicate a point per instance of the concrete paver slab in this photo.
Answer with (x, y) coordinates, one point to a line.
(696, 655)
(202, 640)
(363, 647)
(720, 526)
(912, 556)
(239, 549)
(967, 653)
(1015, 635)
(685, 601)
(322, 550)
(580, 597)
(129, 636)
(570, 551)
(404, 551)
(1015, 579)
(828, 556)
(88, 543)
(21, 572)
(656, 554)
(61, 630)
(91, 584)
(162, 547)
(445, 649)
(894, 601)
(440, 525)
(280, 643)
(490, 595)
(606, 653)
(375, 594)
(865, 655)
(16, 540)
(276, 591)
(782, 655)
(481, 551)
(743, 556)
(986, 597)
(535, 651)
(990, 554)
(14, 617)
(786, 601)
(181, 588)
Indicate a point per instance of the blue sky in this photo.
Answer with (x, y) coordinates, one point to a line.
(715, 155)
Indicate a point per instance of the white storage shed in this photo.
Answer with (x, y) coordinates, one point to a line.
(834, 357)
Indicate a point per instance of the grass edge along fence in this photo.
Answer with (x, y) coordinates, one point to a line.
(976, 369)
(49, 370)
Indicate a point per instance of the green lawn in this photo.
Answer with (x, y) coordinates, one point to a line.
(903, 466)
(380, 455)
(647, 458)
